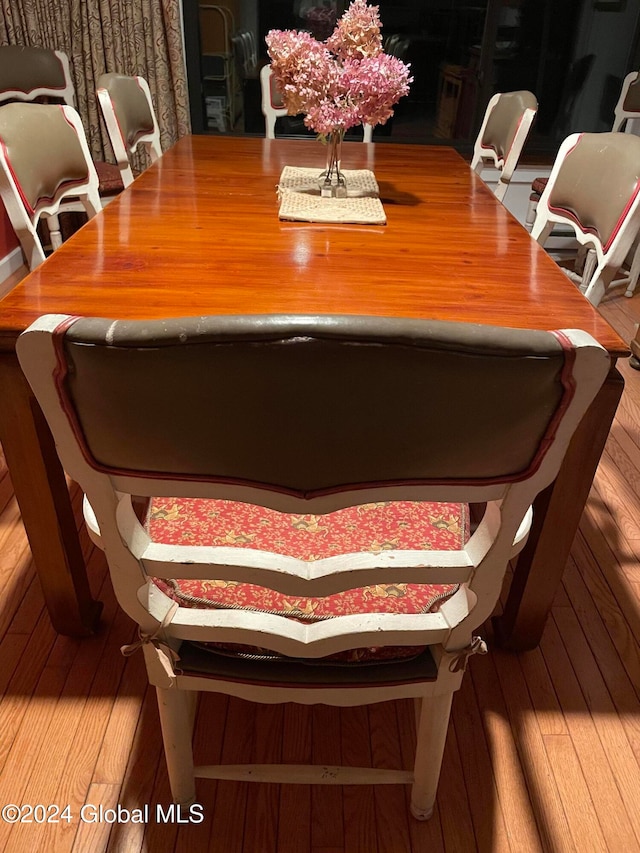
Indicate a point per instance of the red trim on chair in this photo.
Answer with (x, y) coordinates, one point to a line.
(506, 156)
(500, 162)
(570, 214)
(23, 198)
(629, 205)
(570, 389)
(565, 211)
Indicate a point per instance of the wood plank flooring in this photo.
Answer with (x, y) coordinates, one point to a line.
(543, 753)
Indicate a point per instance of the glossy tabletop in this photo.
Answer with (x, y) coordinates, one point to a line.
(199, 233)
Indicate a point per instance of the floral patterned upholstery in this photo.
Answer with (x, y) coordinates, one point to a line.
(367, 528)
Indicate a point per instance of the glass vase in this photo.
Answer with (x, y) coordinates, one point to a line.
(332, 182)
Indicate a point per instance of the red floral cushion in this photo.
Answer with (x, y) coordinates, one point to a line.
(367, 528)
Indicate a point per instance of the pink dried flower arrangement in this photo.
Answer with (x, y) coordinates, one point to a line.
(345, 81)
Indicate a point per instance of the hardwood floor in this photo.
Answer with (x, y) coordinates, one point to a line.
(543, 753)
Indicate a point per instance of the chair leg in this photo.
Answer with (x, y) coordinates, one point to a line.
(581, 257)
(430, 738)
(500, 190)
(531, 214)
(176, 719)
(588, 269)
(31, 247)
(54, 231)
(634, 274)
(598, 284)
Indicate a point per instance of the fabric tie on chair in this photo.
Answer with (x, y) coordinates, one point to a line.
(167, 657)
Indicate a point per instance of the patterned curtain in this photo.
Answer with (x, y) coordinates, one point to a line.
(141, 37)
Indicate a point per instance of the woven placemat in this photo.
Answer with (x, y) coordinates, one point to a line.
(300, 200)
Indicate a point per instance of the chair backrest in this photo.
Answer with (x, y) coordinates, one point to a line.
(628, 107)
(594, 187)
(130, 119)
(397, 45)
(27, 73)
(272, 104)
(44, 160)
(574, 83)
(244, 47)
(478, 414)
(505, 127)
(251, 50)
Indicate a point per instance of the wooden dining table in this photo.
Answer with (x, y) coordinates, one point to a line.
(199, 233)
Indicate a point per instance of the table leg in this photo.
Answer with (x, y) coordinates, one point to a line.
(43, 497)
(557, 513)
(635, 349)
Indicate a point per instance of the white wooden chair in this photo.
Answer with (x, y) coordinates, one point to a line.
(505, 127)
(594, 188)
(626, 114)
(30, 73)
(273, 106)
(45, 169)
(627, 109)
(325, 556)
(627, 119)
(130, 119)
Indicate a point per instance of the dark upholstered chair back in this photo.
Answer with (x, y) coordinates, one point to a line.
(308, 404)
(27, 73)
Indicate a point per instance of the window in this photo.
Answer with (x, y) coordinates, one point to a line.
(572, 54)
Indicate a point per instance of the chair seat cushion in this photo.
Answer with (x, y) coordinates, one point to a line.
(109, 178)
(368, 528)
(538, 185)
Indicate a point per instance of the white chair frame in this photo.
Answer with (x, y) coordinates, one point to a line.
(624, 117)
(625, 121)
(133, 558)
(483, 155)
(122, 152)
(83, 198)
(600, 266)
(628, 121)
(269, 111)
